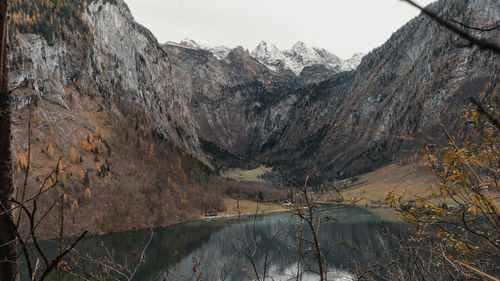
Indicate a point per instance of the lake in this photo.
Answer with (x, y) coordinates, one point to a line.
(227, 249)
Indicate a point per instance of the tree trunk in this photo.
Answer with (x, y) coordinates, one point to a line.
(8, 252)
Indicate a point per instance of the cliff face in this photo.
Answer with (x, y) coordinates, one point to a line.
(118, 63)
(235, 102)
(108, 96)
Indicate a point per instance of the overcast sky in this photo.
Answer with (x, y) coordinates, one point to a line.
(342, 26)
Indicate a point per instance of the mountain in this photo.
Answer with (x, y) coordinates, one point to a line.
(356, 121)
(301, 56)
(348, 122)
(104, 101)
(230, 99)
(219, 51)
(144, 127)
(294, 60)
(352, 63)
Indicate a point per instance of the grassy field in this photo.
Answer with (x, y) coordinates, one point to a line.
(370, 189)
(247, 207)
(414, 178)
(246, 175)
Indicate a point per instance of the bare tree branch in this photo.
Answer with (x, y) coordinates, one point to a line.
(483, 44)
(487, 29)
(56, 261)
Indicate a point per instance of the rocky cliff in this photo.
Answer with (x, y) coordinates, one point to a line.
(116, 63)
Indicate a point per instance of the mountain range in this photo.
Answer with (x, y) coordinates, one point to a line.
(144, 126)
(295, 60)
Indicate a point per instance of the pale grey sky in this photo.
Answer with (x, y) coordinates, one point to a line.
(344, 27)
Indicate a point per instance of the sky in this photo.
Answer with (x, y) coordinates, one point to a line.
(344, 27)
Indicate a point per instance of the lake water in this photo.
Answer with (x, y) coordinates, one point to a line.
(220, 250)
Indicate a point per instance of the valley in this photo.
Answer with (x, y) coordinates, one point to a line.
(160, 123)
(127, 158)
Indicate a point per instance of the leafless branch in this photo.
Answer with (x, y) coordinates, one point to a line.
(487, 29)
(56, 261)
(483, 44)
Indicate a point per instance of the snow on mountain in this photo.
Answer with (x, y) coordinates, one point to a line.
(300, 56)
(270, 56)
(295, 59)
(352, 63)
(219, 51)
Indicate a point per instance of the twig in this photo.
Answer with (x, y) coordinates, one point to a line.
(483, 111)
(56, 261)
(481, 43)
(487, 29)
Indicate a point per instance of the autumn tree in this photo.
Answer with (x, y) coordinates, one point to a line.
(458, 221)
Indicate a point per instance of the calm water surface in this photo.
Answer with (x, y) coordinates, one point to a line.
(216, 250)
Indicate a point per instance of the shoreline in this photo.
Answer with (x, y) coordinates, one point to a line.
(226, 215)
(201, 218)
(240, 215)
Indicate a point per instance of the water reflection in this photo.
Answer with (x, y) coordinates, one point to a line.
(232, 250)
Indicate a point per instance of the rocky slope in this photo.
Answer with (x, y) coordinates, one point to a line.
(117, 62)
(233, 100)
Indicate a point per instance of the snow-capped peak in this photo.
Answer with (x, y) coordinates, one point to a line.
(352, 63)
(218, 51)
(295, 59)
(266, 48)
(299, 46)
(268, 52)
(189, 42)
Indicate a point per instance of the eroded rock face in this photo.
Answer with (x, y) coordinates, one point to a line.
(142, 72)
(119, 62)
(231, 99)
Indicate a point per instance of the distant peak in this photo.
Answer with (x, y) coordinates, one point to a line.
(239, 50)
(189, 42)
(219, 51)
(266, 49)
(353, 62)
(298, 45)
(266, 44)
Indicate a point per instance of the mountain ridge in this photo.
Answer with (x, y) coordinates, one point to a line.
(295, 59)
